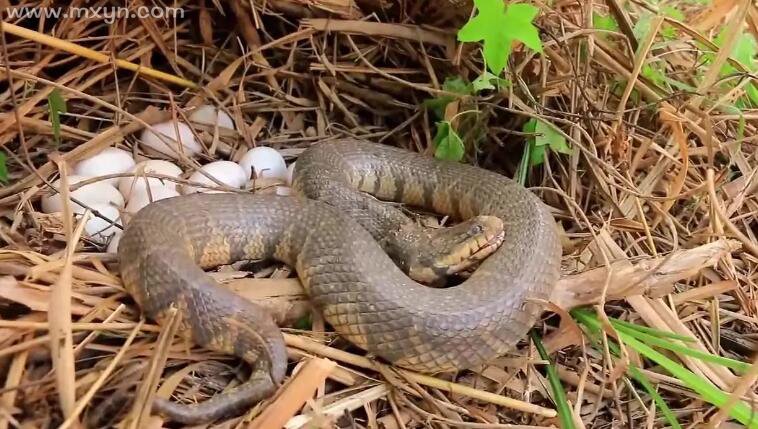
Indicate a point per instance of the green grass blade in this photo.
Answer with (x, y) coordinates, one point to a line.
(707, 391)
(523, 167)
(637, 339)
(638, 376)
(559, 395)
(652, 331)
(56, 105)
(669, 345)
(3, 168)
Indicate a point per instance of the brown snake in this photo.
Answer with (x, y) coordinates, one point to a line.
(336, 246)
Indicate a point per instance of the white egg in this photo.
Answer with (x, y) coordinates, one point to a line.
(157, 166)
(141, 198)
(168, 143)
(109, 161)
(99, 229)
(290, 173)
(227, 172)
(90, 194)
(284, 191)
(113, 244)
(209, 115)
(265, 161)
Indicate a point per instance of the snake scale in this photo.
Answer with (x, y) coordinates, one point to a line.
(331, 232)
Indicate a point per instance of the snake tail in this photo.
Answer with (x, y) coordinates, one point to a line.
(168, 272)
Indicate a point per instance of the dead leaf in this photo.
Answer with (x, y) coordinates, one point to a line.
(37, 300)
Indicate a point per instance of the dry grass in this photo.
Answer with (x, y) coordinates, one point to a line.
(657, 203)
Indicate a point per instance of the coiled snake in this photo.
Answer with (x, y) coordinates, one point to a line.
(336, 239)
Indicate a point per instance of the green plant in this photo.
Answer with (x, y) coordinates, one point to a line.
(642, 340)
(304, 323)
(654, 71)
(744, 52)
(55, 106)
(559, 393)
(497, 26)
(455, 85)
(543, 137)
(488, 80)
(604, 22)
(3, 168)
(448, 144)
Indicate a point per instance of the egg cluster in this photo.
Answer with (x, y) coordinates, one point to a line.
(116, 186)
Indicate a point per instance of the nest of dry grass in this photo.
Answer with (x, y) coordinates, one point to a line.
(656, 202)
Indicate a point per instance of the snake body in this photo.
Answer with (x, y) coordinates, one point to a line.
(330, 233)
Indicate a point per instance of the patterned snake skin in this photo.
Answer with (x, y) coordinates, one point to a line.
(332, 238)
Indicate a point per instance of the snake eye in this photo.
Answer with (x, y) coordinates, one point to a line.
(476, 229)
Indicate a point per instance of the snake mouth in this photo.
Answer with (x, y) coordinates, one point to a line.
(483, 251)
(489, 247)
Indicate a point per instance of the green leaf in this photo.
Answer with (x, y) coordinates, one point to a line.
(603, 22)
(452, 84)
(752, 94)
(530, 127)
(617, 89)
(448, 143)
(499, 26)
(457, 85)
(484, 81)
(547, 135)
(56, 105)
(654, 74)
(643, 25)
(670, 32)
(303, 323)
(744, 51)
(544, 137)
(3, 168)
(488, 80)
(673, 12)
(520, 16)
(536, 155)
(679, 85)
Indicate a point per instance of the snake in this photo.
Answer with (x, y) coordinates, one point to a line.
(347, 234)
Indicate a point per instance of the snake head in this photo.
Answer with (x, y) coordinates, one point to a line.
(448, 251)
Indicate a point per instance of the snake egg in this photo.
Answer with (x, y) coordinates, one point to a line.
(210, 116)
(113, 244)
(265, 162)
(109, 161)
(139, 182)
(228, 173)
(290, 173)
(89, 194)
(171, 133)
(99, 229)
(140, 198)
